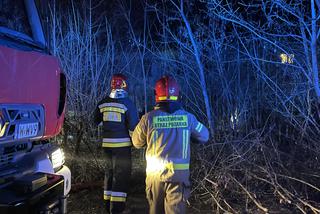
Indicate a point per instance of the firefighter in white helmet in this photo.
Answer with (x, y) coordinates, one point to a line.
(166, 131)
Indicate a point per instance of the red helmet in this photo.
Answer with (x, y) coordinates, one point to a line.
(167, 89)
(119, 81)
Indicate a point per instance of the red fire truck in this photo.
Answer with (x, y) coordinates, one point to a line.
(33, 177)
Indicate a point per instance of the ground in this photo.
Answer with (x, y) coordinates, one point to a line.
(88, 200)
(87, 189)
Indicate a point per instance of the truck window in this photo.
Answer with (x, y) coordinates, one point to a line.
(14, 16)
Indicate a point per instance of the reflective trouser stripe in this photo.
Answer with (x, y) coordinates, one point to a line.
(114, 196)
(118, 199)
(107, 192)
(118, 196)
(114, 145)
(115, 140)
(107, 195)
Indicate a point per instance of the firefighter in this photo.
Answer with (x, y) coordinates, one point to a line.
(166, 131)
(119, 117)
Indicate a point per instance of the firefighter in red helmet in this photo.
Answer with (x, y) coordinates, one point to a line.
(119, 117)
(166, 132)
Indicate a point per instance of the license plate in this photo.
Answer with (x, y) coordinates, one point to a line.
(26, 130)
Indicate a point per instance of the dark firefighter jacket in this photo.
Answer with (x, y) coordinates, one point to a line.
(119, 118)
(167, 131)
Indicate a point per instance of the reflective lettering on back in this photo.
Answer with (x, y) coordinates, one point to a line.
(168, 122)
(112, 116)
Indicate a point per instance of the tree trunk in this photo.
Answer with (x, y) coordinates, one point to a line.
(314, 60)
(201, 70)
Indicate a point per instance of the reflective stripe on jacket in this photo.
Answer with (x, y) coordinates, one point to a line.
(119, 117)
(167, 137)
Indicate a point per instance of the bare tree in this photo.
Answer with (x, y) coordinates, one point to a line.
(250, 66)
(197, 55)
(88, 65)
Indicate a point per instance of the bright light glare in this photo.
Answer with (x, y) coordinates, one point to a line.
(155, 164)
(286, 58)
(57, 158)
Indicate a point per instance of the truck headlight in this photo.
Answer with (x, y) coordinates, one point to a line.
(3, 123)
(57, 158)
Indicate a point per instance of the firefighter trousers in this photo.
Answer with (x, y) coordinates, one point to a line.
(166, 197)
(117, 178)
